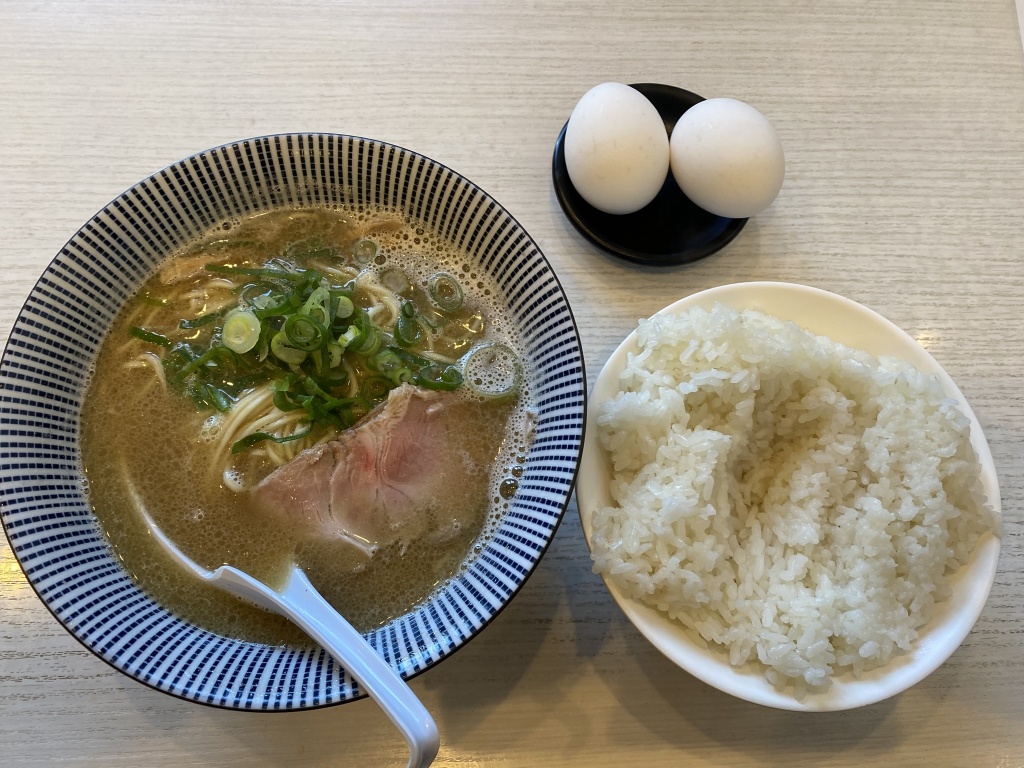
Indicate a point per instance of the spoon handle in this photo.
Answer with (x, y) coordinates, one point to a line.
(305, 606)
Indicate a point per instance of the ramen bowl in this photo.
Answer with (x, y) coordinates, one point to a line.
(44, 506)
(845, 321)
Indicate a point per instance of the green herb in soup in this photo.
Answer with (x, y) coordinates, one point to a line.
(290, 389)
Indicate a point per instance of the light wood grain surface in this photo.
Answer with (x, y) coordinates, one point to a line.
(902, 122)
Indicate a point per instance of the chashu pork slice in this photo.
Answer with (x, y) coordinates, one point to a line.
(371, 485)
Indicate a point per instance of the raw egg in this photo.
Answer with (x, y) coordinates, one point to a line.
(727, 158)
(616, 149)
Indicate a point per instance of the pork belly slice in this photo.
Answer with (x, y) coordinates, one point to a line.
(377, 482)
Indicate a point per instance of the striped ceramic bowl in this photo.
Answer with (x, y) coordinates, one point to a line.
(55, 339)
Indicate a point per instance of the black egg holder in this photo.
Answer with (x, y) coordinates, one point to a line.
(671, 229)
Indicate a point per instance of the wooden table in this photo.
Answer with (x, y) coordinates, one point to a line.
(902, 122)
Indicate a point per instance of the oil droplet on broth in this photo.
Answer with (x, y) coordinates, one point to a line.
(508, 488)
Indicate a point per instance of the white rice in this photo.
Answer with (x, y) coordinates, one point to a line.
(796, 501)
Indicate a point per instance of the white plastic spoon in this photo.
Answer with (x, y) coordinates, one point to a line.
(301, 603)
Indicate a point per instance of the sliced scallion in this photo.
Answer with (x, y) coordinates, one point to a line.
(407, 330)
(401, 376)
(375, 388)
(241, 331)
(371, 342)
(344, 307)
(386, 361)
(365, 251)
(334, 354)
(492, 370)
(304, 332)
(258, 437)
(318, 306)
(220, 399)
(282, 348)
(351, 334)
(276, 305)
(445, 291)
(199, 322)
(148, 336)
(436, 376)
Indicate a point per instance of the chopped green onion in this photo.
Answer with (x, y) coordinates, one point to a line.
(318, 306)
(148, 336)
(407, 330)
(375, 388)
(345, 307)
(445, 291)
(401, 376)
(284, 402)
(255, 294)
(304, 332)
(211, 357)
(386, 361)
(362, 336)
(492, 370)
(427, 373)
(202, 320)
(258, 437)
(346, 412)
(350, 335)
(219, 398)
(283, 350)
(371, 342)
(293, 328)
(241, 331)
(334, 354)
(276, 305)
(365, 251)
(437, 376)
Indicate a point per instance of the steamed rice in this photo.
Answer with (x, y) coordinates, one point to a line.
(796, 501)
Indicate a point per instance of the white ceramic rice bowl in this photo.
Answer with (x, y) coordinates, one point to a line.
(850, 323)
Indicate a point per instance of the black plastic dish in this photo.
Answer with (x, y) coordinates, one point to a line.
(671, 229)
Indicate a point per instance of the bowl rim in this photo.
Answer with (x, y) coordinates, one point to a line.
(825, 313)
(456, 642)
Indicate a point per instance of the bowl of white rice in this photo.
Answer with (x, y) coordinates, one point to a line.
(789, 497)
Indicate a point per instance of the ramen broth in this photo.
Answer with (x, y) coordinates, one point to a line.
(144, 446)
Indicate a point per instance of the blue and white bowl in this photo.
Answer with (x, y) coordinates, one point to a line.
(56, 337)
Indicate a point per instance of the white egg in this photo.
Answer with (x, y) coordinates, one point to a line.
(616, 149)
(727, 158)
